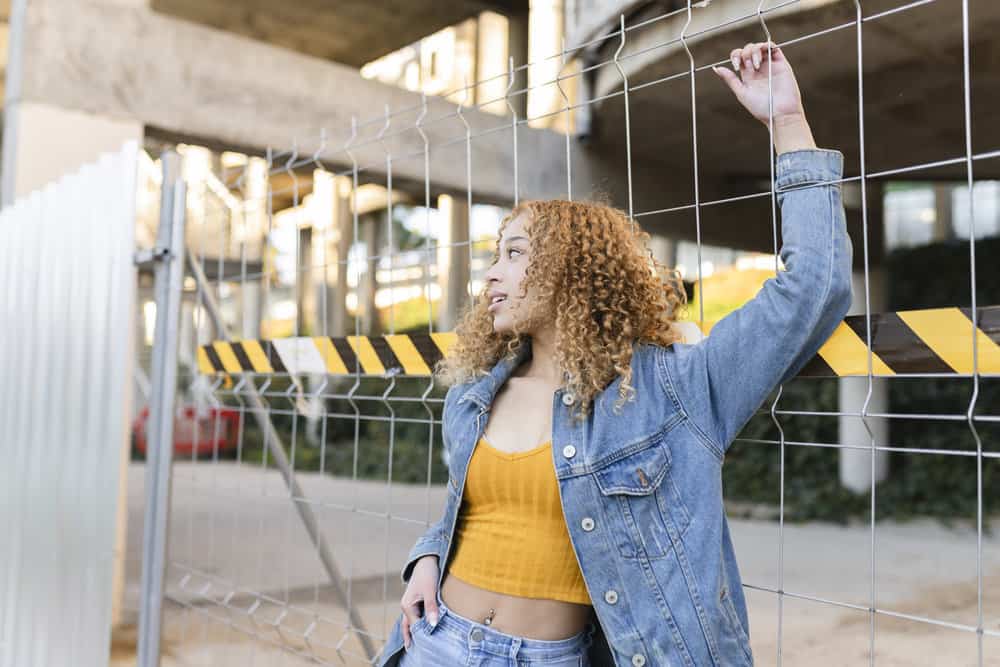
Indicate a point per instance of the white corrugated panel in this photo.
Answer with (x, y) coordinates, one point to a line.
(67, 287)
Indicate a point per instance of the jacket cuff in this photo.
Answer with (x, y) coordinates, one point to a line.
(805, 166)
(428, 548)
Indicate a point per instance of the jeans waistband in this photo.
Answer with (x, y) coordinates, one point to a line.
(500, 643)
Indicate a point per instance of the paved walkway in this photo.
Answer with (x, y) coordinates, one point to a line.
(234, 534)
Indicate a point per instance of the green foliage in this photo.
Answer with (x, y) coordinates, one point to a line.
(919, 484)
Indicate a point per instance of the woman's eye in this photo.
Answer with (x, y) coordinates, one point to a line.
(510, 250)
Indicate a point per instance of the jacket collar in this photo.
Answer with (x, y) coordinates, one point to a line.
(482, 390)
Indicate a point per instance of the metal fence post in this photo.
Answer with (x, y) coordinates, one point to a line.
(169, 258)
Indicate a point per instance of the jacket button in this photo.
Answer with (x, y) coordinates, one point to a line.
(587, 524)
(568, 399)
(611, 597)
(477, 635)
(638, 660)
(569, 451)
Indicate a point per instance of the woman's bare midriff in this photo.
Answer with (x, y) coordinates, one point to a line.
(531, 618)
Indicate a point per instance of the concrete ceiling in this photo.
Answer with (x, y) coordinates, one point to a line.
(352, 32)
(913, 96)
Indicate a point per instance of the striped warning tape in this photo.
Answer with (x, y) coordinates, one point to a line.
(937, 340)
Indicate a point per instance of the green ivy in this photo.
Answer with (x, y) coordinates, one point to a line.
(918, 484)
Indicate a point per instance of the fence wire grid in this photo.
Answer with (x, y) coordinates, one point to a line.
(290, 521)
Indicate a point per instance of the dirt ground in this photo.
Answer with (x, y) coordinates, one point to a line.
(245, 587)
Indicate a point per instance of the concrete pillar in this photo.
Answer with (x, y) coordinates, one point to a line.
(491, 62)
(664, 249)
(42, 139)
(333, 229)
(517, 48)
(252, 234)
(545, 36)
(305, 295)
(453, 260)
(339, 244)
(42, 142)
(855, 464)
(370, 236)
(944, 227)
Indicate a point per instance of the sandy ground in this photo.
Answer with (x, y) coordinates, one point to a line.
(245, 585)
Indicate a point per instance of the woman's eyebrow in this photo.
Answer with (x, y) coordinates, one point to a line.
(514, 238)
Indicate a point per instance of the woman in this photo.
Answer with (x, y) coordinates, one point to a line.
(586, 442)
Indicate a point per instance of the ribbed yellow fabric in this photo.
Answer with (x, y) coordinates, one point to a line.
(511, 536)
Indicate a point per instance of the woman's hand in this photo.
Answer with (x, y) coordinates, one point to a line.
(791, 131)
(422, 587)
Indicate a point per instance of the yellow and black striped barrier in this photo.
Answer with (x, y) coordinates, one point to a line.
(936, 340)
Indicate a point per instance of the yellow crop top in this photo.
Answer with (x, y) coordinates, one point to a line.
(511, 536)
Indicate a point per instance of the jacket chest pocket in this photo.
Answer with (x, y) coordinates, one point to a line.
(641, 498)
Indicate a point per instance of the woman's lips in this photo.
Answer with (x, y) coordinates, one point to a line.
(494, 306)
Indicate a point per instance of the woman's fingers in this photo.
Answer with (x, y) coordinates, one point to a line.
(753, 55)
(431, 609)
(410, 616)
(746, 55)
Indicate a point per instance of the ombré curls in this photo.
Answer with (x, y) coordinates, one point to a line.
(599, 284)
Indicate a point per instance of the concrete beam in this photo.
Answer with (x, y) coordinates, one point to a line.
(352, 32)
(193, 81)
(188, 80)
(913, 106)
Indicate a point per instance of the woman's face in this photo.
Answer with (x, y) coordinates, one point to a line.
(506, 277)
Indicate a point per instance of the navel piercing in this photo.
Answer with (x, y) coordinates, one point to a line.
(489, 618)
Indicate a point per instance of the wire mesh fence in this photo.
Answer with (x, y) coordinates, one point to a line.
(325, 277)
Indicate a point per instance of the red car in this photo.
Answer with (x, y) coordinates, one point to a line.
(217, 429)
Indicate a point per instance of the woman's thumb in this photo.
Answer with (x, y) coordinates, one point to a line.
(731, 79)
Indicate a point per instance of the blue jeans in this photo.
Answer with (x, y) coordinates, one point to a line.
(457, 640)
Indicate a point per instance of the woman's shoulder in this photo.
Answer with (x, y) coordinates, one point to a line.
(690, 334)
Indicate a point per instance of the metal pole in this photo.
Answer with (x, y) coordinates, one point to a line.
(169, 257)
(277, 449)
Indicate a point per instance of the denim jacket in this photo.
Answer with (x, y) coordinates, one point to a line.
(641, 490)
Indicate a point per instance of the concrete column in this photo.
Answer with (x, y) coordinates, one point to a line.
(252, 235)
(518, 48)
(370, 235)
(491, 62)
(305, 301)
(944, 227)
(855, 464)
(664, 249)
(42, 142)
(545, 36)
(453, 260)
(44, 139)
(330, 208)
(339, 244)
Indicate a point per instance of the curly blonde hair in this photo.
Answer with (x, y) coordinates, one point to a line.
(593, 269)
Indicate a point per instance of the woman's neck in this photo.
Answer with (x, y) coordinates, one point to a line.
(542, 363)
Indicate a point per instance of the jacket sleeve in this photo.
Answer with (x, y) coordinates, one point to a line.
(723, 379)
(433, 539)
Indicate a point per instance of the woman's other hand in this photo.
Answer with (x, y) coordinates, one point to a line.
(749, 82)
(422, 587)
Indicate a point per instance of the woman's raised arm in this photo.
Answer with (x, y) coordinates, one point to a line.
(722, 380)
